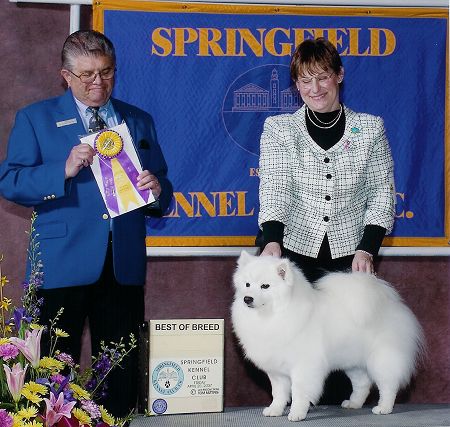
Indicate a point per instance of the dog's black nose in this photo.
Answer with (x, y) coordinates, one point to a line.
(248, 300)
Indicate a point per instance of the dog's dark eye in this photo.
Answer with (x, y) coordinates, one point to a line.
(265, 286)
(247, 285)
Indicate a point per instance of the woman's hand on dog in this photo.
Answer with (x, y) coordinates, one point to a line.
(272, 249)
(363, 261)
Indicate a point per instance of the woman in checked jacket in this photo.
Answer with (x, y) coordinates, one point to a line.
(326, 174)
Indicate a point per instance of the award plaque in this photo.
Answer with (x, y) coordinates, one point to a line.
(185, 366)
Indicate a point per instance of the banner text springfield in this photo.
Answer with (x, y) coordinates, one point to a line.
(184, 41)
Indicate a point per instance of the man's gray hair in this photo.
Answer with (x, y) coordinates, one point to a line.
(87, 43)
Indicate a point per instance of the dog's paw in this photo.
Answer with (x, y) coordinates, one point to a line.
(296, 416)
(273, 411)
(350, 404)
(381, 410)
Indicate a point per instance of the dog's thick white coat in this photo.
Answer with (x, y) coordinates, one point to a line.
(298, 333)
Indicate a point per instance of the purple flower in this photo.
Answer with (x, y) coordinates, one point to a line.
(8, 351)
(68, 395)
(20, 315)
(5, 419)
(58, 385)
(102, 366)
(66, 358)
(91, 384)
(91, 408)
(58, 378)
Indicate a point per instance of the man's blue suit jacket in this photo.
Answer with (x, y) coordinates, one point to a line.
(72, 222)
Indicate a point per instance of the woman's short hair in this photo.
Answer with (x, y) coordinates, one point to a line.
(87, 43)
(314, 54)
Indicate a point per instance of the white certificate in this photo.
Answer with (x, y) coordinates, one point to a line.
(116, 167)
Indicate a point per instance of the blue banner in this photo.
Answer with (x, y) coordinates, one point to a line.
(211, 74)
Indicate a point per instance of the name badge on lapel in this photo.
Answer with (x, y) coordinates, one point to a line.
(66, 122)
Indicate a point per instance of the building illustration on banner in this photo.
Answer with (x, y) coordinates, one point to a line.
(252, 97)
(256, 94)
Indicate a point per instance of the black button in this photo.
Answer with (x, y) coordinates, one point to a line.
(326, 219)
(328, 175)
(326, 160)
(327, 198)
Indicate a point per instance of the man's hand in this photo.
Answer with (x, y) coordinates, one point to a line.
(148, 181)
(81, 156)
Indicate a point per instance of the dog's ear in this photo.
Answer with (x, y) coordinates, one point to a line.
(244, 258)
(284, 270)
(281, 270)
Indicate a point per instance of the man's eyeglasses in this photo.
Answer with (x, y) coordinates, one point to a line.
(89, 77)
(322, 80)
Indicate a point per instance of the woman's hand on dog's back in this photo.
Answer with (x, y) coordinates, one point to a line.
(363, 261)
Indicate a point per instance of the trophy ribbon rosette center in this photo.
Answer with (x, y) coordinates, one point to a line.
(116, 168)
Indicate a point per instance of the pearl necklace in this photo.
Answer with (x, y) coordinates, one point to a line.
(328, 125)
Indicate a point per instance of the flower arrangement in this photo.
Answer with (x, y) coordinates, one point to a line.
(48, 390)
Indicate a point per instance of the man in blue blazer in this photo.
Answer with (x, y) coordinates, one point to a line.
(94, 266)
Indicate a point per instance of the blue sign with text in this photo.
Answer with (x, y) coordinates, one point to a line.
(211, 78)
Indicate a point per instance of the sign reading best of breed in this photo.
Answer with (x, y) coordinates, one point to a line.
(186, 366)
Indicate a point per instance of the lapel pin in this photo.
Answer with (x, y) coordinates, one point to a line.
(355, 130)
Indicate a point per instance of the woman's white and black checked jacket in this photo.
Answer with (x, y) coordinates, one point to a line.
(338, 191)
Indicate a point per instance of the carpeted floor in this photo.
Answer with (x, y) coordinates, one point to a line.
(404, 415)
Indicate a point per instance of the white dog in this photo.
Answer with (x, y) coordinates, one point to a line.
(298, 333)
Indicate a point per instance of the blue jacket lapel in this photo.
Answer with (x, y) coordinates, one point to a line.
(65, 113)
(123, 114)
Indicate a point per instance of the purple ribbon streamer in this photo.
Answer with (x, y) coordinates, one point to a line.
(108, 179)
(132, 174)
(108, 185)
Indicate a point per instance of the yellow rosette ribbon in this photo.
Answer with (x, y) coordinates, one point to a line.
(108, 144)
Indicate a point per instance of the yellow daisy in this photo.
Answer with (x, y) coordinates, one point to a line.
(5, 303)
(32, 397)
(3, 281)
(61, 333)
(33, 387)
(106, 417)
(51, 364)
(81, 416)
(79, 393)
(27, 413)
(3, 340)
(17, 420)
